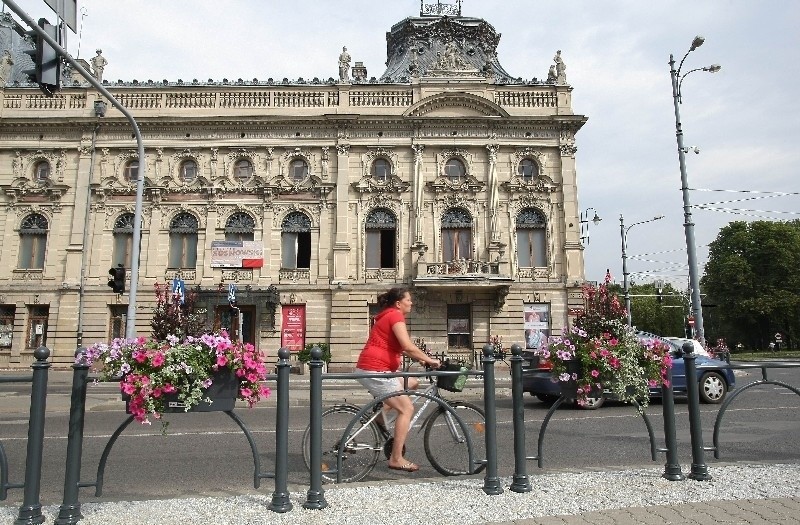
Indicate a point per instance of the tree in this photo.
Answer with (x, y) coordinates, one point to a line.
(753, 275)
(665, 318)
(170, 317)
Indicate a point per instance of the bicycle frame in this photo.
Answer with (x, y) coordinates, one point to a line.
(432, 390)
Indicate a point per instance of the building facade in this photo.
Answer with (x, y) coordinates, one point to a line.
(446, 175)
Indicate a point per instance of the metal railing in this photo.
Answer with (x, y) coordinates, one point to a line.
(31, 509)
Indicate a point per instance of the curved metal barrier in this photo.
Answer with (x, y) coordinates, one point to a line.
(763, 366)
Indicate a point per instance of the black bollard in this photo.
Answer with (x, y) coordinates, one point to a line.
(491, 483)
(699, 470)
(520, 482)
(315, 497)
(70, 511)
(31, 510)
(672, 468)
(280, 497)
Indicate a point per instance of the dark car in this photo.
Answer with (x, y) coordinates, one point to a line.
(715, 380)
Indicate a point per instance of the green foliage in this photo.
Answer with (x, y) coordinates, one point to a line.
(170, 318)
(753, 274)
(304, 355)
(665, 318)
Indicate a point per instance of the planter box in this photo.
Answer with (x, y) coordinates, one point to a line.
(223, 392)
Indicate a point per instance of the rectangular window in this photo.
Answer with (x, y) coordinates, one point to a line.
(6, 325)
(381, 249)
(118, 314)
(374, 310)
(182, 250)
(456, 244)
(531, 248)
(37, 326)
(536, 323)
(295, 250)
(31, 252)
(239, 236)
(122, 249)
(459, 327)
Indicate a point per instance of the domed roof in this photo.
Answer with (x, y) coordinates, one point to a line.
(430, 46)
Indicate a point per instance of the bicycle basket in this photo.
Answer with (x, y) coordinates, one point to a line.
(452, 383)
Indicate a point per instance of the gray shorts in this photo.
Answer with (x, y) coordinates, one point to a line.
(380, 386)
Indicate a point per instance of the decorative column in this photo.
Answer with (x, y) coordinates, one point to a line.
(341, 245)
(494, 197)
(497, 248)
(419, 184)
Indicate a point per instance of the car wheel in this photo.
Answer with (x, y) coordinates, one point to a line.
(592, 403)
(547, 399)
(712, 388)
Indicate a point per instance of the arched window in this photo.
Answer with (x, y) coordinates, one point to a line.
(188, 170)
(531, 239)
(456, 234)
(454, 170)
(243, 170)
(298, 170)
(32, 242)
(381, 170)
(183, 241)
(528, 170)
(123, 240)
(131, 172)
(41, 171)
(239, 227)
(296, 241)
(381, 230)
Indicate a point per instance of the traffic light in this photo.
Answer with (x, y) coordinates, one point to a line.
(46, 61)
(117, 281)
(659, 296)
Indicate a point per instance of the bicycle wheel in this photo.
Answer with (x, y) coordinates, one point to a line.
(361, 449)
(445, 439)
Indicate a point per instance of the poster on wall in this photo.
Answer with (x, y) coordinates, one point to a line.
(536, 322)
(293, 327)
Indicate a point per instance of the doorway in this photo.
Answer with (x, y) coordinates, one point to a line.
(225, 317)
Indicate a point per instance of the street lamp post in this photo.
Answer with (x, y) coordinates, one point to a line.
(688, 225)
(585, 223)
(623, 233)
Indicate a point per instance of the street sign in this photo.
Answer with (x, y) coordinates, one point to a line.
(232, 293)
(691, 321)
(179, 289)
(778, 337)
(67, 10)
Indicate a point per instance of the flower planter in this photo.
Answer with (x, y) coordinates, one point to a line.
(569, 389)
(223, 392)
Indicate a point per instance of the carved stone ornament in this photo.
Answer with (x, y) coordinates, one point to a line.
(540, 184)
(38, 176)
(370, 184)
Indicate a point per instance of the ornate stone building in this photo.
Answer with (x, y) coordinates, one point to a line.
(446, 175)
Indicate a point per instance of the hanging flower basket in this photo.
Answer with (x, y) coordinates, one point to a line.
(206, 373)
(220, 396)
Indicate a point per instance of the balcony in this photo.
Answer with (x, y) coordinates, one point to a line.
(463, 274)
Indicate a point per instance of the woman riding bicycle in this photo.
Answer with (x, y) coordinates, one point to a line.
(388, 341)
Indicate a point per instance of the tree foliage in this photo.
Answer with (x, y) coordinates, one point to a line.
(753, 275)
(172, 318)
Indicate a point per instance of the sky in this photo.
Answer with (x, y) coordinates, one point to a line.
(744, 119)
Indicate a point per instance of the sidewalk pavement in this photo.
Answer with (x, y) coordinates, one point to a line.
(744, 505)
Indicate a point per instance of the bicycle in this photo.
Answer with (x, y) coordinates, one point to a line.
(447, 440)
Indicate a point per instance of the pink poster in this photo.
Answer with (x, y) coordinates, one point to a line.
(293, 327)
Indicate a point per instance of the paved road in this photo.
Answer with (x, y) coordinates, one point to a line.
(758, 427)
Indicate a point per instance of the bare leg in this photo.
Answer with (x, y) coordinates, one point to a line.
(405, 411)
